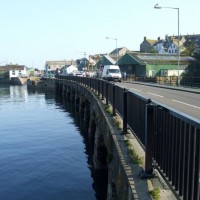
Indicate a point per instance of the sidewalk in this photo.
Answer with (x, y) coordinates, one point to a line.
(185, 89)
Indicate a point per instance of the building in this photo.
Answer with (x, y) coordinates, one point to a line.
(52, 66)
(147, 45)
(98, 60)
(13, 71)
(170, 44)
(118, 51)
(148, 64)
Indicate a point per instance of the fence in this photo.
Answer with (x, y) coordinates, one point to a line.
(171, 140)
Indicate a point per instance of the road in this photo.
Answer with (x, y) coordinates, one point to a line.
(184, 101)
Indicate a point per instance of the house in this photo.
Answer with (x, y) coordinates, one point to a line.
(35, 72)
(52, 66)
(118, 51)
(147, 45)
(93, 59)
(70, 69)
(170, 44)
(149, 64)
(159, 46)
(173, 47)
(111, 58)
(13, 74)
(105, 60)
(82, 64)
(13, 71)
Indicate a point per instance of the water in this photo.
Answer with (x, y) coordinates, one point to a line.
(43, 151)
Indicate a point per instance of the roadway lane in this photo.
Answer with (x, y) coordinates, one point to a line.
(186, 102)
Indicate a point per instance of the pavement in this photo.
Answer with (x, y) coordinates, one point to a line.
(180, 88)
(155, 182)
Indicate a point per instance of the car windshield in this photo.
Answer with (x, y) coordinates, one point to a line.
(113, 71)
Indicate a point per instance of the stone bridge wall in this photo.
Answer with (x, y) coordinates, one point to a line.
(106, 153)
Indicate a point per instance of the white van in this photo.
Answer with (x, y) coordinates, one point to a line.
(111, 73)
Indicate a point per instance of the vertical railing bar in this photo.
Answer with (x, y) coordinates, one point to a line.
(165, 142)
(187, 163)
(106, 93)
(197, 167)
(192, 163)
(113, 106)
(124, 111)
(177, 152)
(173, 150)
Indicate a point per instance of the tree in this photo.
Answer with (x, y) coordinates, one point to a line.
(189, 49)
(153, 50)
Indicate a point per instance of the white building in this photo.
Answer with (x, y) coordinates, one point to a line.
(17, 70)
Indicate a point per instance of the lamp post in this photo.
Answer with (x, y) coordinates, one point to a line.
(85, 60)
(159, 7)
(109, 38)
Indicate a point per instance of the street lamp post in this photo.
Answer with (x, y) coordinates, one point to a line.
(85, 60)
(108, 38)
(159, 7)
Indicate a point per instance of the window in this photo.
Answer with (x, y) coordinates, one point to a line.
(13, 72)
(20, 72)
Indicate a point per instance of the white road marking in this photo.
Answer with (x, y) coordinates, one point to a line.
(186, 104)
(155, 94)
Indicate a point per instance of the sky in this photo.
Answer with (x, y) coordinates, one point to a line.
(36, 31)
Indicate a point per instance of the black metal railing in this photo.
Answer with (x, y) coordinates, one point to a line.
(171, 140)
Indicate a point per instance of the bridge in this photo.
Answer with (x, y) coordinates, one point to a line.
(170, 139)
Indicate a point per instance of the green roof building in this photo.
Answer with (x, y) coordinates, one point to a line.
(148, 64)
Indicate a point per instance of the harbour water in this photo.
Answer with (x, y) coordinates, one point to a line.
(43, 150)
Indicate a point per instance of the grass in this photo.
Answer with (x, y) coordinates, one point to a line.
(155, 194)
(108, 109)
(117, 123)
(134, 156)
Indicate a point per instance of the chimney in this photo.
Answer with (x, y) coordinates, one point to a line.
(158, 38)
(145, 38)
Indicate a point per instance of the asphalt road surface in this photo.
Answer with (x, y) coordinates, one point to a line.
(183, 101)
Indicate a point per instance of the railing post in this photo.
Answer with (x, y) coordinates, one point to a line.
(102, 97)
(90, 83)
(98, 87)
(106, 93)
(125, 111)
(149, 131)
(113, 100)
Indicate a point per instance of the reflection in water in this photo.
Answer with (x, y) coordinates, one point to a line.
(16, 93)
(44, 150)
(99, 176)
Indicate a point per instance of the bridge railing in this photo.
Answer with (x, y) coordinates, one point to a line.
(171, 139)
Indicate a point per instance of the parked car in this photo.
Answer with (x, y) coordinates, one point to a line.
(23, 76)
(77, 73)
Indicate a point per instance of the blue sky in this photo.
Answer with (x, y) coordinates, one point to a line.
(33, 31)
